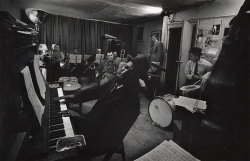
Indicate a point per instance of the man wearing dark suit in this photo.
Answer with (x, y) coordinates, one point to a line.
(156, 51)
(156, 57)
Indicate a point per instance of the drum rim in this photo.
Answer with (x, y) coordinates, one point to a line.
(187, 90)
(160, 97)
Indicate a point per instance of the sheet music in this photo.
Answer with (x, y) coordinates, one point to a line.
(167, 151)
(39, 78)
(75, 58)
(38, 107)
(99, 58)
(190, 103)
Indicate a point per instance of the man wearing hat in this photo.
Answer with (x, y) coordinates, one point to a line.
(196, 68)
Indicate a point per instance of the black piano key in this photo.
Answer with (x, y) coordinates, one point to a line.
(52, 122)
(55, 115)
(60, 126)
(55, 110)
(55, 103)
(57, 134)
(54, 118)
(57, 131)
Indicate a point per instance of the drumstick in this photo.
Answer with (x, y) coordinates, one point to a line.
(196, 103)
(197, 82)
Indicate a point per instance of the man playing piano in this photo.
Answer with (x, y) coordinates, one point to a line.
(115, 111)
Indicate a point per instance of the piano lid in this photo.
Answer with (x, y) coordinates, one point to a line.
(25, 36)
(8, 22)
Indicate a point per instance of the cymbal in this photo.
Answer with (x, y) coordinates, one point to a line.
(71, 86)
(154, 64)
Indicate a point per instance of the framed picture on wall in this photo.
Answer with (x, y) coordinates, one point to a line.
(157, 33)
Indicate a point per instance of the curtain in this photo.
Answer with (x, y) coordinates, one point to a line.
(87, 35)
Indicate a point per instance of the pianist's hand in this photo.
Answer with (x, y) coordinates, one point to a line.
(73, 113)
(66, 97)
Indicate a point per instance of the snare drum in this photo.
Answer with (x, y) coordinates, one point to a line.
(160, 110)
(190, 90)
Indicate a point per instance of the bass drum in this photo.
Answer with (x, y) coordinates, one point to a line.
(160, 110)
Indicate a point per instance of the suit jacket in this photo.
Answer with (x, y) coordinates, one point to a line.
(111, 117)
(156, 52)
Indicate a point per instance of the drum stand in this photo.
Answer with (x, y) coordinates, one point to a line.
(153, 80)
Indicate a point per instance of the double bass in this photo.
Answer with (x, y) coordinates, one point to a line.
(224, 128)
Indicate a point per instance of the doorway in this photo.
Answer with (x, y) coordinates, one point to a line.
(172, 59)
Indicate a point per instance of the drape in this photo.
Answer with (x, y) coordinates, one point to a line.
(87, 35)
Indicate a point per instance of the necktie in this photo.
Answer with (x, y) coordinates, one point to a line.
(196, 69)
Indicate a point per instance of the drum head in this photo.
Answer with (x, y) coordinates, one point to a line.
(160, 112)
(71, 86)
(189, 88)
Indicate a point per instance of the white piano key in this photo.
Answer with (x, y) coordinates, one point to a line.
(60, 92)
(63, 107)
(68, 127)
(62, 104)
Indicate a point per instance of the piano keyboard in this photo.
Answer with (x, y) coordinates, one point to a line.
(59, 126)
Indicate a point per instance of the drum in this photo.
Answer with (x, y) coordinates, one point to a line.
(189, 91)
(160, 110)
(71, 86)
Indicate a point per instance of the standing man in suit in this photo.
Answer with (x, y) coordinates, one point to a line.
(156, 57)
(156, 51)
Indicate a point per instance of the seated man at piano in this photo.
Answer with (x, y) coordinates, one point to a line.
(106, 70)
(196, 69)
(116, 110)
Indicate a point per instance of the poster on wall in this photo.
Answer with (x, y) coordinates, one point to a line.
(216, 30)
(209, 37)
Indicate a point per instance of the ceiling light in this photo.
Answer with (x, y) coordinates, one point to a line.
(153, 10)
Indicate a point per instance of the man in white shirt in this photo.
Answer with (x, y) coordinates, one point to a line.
(196, 68)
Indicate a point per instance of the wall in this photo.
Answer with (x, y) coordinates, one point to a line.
(144, 45)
